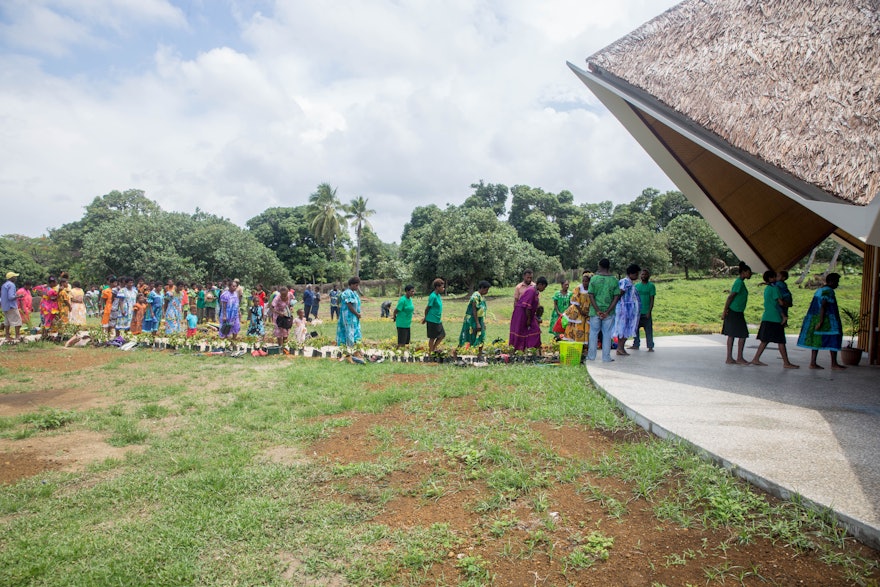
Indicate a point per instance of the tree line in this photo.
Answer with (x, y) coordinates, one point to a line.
(494, 234)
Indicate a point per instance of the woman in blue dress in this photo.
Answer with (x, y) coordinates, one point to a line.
(348, 329)
(626, 322)
(822, 330)
(174, 309)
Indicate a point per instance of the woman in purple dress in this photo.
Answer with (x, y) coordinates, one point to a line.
(230, 320)
(525, 329)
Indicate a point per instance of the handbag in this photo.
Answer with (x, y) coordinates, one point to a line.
(284, 321)
(226, 328)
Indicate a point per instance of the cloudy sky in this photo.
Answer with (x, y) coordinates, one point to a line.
(234, 106)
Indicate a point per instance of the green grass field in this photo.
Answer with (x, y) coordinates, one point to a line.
(227, 480)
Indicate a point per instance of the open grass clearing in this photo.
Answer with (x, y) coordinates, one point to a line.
(315, 472)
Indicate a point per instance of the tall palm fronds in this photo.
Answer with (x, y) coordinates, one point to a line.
(358, 213)
(325, 218)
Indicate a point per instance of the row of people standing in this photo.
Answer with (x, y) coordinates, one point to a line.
(60, 302)
(600, 307)
(577, 310)
(821, 328)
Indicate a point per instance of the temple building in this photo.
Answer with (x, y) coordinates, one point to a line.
(766, 115)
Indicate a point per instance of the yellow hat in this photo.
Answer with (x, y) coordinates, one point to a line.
(11, 274)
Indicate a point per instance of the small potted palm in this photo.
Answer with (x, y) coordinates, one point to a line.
(851, 354)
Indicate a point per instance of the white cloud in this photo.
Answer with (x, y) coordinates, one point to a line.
(404, 103)
(56, 27)
(38, 28)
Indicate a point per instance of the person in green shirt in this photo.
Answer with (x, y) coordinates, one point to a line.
(734, 316)
(403, 315)
(604, 292)
(647, 291)
(434, 316)
(771, 329)
(212, 294)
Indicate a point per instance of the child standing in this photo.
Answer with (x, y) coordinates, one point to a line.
(192, 324)
(300, 330)
(255, 317)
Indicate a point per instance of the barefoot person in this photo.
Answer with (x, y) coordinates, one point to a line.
(434, 316)
(822, 330)
(772, 323)
(734, 316)
(628, 312)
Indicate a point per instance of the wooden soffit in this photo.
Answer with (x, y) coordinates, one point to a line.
(777, 228)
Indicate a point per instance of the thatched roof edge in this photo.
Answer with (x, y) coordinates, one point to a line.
(796, 85)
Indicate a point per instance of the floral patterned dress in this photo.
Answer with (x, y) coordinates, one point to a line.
(626, 322)
(174, 313)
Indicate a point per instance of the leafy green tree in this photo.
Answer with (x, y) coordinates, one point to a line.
(326, 217)
(15, 257)
(220, 249)
(638, 244)
(538, 217)
(286, 231)
(624, 216)
(70, 238)
(465, 245)
(671, 205)
(693, 243)
(136, 246)
(376, 257)
(358, 212)
(492, 196)
(576, 229)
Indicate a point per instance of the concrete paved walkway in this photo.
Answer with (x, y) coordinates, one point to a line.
(815, 433)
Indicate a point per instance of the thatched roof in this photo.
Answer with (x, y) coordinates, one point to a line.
(796, 84)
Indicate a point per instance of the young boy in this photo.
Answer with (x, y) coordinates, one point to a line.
(192, 324)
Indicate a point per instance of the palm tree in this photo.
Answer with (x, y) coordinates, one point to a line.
(358, 213)
(325, 219)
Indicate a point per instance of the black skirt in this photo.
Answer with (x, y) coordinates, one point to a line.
(735, 325)
(771, 332)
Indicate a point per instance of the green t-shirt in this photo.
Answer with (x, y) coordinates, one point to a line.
(404, 312)
(603, 288)
(771, 305)
(738, 303)
(200, 299)
(213, 303)
(435, 308)
(646, 291)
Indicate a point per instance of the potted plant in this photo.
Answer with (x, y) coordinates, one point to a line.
(851, 354)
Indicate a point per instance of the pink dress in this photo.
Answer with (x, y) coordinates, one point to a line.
(25, 304)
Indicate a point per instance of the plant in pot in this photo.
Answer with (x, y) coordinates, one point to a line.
(851, 354)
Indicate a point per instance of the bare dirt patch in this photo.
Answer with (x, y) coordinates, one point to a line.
(13, 404)
(70, 452)
(400, 379)
(55, 360)
(284, 455)
(535, 538)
